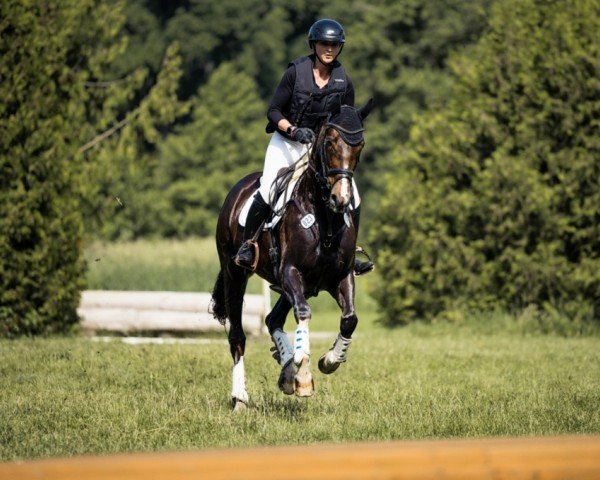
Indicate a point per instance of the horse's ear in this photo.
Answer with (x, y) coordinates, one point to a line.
(366, 109)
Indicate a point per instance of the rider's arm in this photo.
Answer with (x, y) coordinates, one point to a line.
(280, 102)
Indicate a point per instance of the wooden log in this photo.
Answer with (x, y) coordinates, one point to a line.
(129, 320)
(172, 301)
(129, 312)
(553, 458)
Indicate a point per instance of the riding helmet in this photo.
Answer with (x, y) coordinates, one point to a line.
(326, 30)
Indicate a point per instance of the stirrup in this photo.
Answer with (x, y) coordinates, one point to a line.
(360, 268)
(251, 247)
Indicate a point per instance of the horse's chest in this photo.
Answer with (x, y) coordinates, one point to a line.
(329, 264)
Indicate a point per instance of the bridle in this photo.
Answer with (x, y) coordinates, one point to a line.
(323, 159)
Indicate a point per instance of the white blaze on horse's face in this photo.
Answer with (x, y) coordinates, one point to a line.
(344, 157)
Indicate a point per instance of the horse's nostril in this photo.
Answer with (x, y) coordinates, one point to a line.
(335, 200)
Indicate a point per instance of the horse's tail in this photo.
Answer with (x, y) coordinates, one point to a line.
(217, 303)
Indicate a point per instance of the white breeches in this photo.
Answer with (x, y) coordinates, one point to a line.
(283, 153)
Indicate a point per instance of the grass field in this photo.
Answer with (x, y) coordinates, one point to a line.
(491, 376)
(63, 397)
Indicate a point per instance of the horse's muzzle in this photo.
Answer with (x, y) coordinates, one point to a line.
(341, 195)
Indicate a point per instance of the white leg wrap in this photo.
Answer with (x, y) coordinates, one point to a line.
(339, 351)
(238, 389)
(284, 347)
(301, 343)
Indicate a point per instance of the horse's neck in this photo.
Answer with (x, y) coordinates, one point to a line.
(309, 190)
(313, 198)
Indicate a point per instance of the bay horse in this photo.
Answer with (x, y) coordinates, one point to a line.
(315, 243)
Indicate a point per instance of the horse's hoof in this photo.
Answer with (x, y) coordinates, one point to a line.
(327, 367)
(286, 381)
(304, 385)
(238, 405)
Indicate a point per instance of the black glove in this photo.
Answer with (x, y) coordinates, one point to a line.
(303, 135)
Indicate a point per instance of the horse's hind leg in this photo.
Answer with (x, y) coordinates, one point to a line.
(337, 355)
(282, 351)
(294, 288)
(235, 287)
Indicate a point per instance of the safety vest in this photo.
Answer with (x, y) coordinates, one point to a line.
(304, 111)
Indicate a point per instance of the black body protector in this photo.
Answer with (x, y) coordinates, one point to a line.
(309, 104)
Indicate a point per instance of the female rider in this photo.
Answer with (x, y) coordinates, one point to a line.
(312, 87)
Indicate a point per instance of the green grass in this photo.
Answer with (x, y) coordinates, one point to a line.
(492, 375)
(63, 397)
(182, 265)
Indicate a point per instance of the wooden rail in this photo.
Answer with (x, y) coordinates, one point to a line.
(126, 312)
(554, 458)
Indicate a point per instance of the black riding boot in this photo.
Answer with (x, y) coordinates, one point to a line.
(257, 215)
(360, 267)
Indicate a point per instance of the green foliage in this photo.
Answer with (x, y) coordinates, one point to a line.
(396, 52)
(118, 202)
(495, 200)
(49, 52)
(224, 142)
(215, 32)
(54, 96)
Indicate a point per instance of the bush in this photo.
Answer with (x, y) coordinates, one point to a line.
(495, 201)
(40, 225)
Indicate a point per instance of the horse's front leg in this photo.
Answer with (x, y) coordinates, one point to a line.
(344, 296)
(293, 286)
(282, 351)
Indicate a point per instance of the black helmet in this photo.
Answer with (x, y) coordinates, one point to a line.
(326, 30)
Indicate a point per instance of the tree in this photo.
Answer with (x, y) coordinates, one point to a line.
(120, 171)
(54, 97)
(397, 53)
(48, 52)
(204, 159)
(494, 202)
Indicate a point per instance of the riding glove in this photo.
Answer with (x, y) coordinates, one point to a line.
(303, 135)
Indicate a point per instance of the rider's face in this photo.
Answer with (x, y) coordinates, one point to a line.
(327, 51)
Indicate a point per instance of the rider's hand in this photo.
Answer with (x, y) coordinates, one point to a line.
(303, 135)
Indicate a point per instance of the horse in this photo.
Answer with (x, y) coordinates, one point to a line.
(311, 249)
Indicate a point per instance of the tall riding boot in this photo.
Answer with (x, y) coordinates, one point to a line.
(360, 267)
(257, 215)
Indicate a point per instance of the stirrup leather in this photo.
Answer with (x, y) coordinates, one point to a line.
(250, 246)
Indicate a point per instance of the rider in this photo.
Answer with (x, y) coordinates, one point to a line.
(312, 87)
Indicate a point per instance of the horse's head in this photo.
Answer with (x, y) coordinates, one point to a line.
(339, 143)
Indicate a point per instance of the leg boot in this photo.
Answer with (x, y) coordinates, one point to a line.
(257, 215)
(360, 267)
